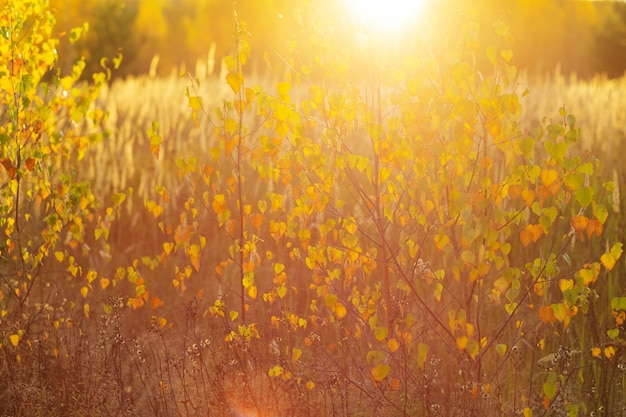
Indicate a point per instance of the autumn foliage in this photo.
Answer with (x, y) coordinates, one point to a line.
(388, 242)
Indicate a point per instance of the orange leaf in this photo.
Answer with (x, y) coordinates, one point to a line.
(579, 223)
(515, 191)
(531, 233)
(156, 302)
(219, 203)
(546, 314)
(594, 227)
(104, 283)
(30, 163)
(256, 219)
(395, 384)
(393, 345)
(9, 167)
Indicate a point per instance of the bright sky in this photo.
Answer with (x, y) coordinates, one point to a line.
(387, 15)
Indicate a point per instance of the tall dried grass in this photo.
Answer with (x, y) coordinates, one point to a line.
(598, 103)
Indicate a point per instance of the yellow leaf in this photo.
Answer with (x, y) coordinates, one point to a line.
(609, 352)
(15, 339)
(340, 310)
(84, 291)
(380, 372)
(310, 385)
(162, 321)
(278, 268)
(234, 80)
(461, 342)
(608, 261)
(441, 240)
(234, 315)
(548, 176)
(167, 247)
(59, 255)
(528, 196)
(507, 55)
(281, 291)
(422, 353)
(566, 284)
(275, 371)
(295, 354)
(252, 292)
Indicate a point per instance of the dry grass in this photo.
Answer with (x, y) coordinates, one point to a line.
(599, 105)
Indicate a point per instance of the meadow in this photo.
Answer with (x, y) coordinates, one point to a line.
(428, 241)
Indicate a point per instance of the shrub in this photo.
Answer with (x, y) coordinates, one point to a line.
(397, 240)
(47, 212)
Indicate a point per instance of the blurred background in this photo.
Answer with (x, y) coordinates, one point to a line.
(582, 37)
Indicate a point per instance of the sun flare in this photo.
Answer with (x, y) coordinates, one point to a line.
(385, 15)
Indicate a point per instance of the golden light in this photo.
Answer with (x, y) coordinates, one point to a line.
(385, 15)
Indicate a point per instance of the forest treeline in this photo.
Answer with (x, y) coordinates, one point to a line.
(585, 37)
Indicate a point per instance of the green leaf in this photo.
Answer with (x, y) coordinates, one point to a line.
(618, 303)
(572, 410)
(330, 300)
(375, 356)
(584, 196)
(612, 333)
(527, 146)
(380, 372)
(501, 349)
(381, 332)
(549, 387)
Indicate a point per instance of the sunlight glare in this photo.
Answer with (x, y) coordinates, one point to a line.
(385, 15)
